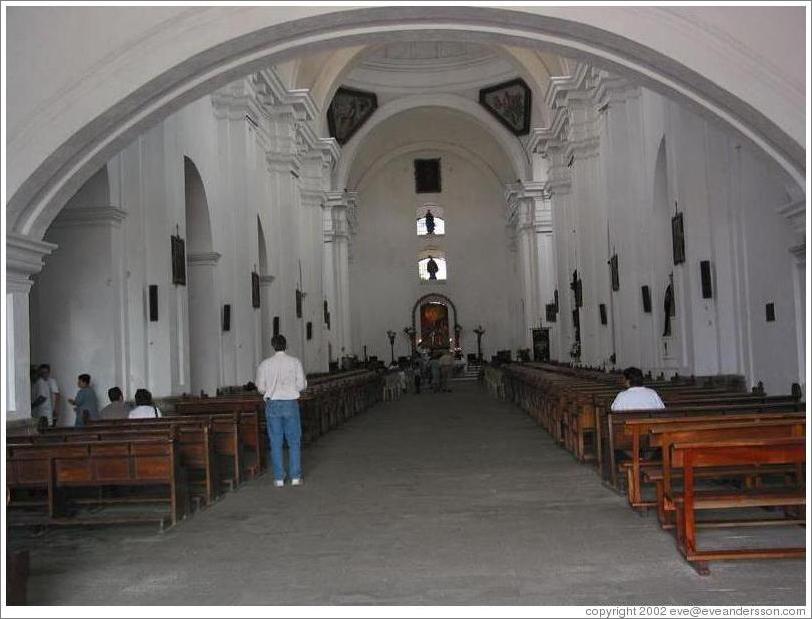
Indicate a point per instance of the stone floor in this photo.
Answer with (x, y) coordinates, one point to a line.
(450, 498)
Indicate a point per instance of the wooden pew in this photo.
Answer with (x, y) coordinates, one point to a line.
(636, 431)
(703, 430)
(195, 444)
(134, 463)
(615, 437)
(693, 457)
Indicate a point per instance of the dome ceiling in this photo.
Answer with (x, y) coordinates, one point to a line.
(426, 66)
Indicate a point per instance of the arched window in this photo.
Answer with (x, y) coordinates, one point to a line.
(430, 220)
(431, 266)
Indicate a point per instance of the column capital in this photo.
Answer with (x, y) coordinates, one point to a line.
(24, 257)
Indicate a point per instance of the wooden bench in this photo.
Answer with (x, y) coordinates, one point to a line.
(133, 463)
(744, 452)
(663, 437)
(195, 443)
(637, 431)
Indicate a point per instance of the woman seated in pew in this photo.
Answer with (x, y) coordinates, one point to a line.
(636, 396)
(144, 406)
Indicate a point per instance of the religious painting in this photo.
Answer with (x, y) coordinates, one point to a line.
(349, 110)
(178, 261)
(541, 344)
(678, 238)
(427, 178)
(510, 102)
(613, 271)
(646, 299)
(255, 299)
(434, 331)
(550, 312)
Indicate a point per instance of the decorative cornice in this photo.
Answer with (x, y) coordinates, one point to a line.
(89, 216)
(24, 257)
(210, 258)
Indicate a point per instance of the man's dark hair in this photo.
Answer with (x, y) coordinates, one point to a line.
(634, 376)
(44, 366)
(85, 378)
(114, 394)
(143, 398)
(279, 342)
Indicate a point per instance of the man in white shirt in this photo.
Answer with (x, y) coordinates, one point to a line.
(636, 396)
(47, 398)
(280, 380)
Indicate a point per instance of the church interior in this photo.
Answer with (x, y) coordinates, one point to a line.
(467, 222)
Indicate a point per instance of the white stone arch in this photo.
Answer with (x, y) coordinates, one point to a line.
(139, 79)
(511, 146)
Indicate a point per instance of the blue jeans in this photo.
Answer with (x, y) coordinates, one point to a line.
(284, 424)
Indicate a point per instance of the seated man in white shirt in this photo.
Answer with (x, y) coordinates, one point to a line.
(636, 396)
(144, 406)
(280, 379)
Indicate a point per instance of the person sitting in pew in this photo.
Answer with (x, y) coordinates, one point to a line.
(84, 404)
(117, 409)
(144, 406)
(636, 396)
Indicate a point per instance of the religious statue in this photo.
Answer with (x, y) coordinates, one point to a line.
(429, 223)
(668, 308)
(432, 268)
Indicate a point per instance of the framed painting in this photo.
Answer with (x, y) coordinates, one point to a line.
(348, 111)
(298, 303)
(178, 261)
(511, 103)
(427, 177)
(602, 310)
(550, 312)
(613, 271)
(646, 299)
(678, 238)
(255, 298)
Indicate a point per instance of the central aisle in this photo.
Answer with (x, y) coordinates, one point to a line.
(451, 498)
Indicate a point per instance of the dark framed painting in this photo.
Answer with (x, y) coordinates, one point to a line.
(511, 103)
(550, 312)
(614, 273)
(310, 330)
(298, 303)
(602, 310)
(678, 238)
(348, 111)
(646, 291)
(178, 261)
(227, 317)
(427, 176)
(255, 298)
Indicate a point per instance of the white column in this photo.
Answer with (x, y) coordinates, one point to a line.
(24, 257)
(522, 201)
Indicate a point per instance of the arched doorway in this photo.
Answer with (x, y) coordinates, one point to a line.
(434, 320)
(204, 332)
